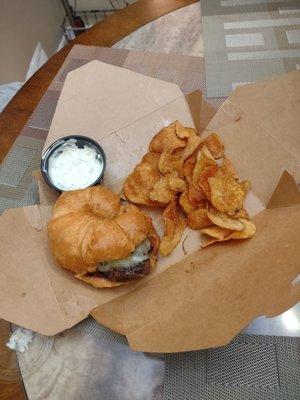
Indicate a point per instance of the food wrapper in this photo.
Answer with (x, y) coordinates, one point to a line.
(195, 298)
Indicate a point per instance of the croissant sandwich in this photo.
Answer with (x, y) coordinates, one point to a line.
(105, 243)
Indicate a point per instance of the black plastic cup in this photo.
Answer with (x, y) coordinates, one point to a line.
(81, 141)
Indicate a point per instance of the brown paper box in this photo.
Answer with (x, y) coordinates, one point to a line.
(189, 302)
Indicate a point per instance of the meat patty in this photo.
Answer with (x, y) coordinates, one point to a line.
(128, 274)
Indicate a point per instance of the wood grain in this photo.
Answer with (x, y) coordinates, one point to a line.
(105, 33)
(9, 389)
(12, 391)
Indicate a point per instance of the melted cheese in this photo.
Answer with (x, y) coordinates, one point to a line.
(137, 257)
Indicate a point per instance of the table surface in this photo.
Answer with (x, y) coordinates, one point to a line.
(64, 374)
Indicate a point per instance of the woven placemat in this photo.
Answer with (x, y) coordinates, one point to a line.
(249, 368)
(247, 40)
(241, 370)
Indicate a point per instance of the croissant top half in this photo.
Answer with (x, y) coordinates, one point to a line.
(91, 225)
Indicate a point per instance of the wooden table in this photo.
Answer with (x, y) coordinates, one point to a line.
(14, 116)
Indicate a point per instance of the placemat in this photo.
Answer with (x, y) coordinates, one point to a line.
(246, 40)
(249, 368)
(206, 374)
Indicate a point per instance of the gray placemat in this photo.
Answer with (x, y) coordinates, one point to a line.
(246, 40)
(92, 327)
(249, 368)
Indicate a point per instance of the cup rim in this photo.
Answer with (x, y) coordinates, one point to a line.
(47, 153)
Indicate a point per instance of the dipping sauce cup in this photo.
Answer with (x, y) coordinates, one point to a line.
(73, 162)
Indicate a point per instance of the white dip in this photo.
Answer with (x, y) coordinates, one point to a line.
(72, 167)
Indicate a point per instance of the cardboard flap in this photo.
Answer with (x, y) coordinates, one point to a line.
(274, 104)
(286, 193)
(209, 297)
(194, 101)
(98, 93)
(201, 111)
(258, 124)
(22, 270)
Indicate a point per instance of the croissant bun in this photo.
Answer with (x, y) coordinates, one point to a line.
(91, 225)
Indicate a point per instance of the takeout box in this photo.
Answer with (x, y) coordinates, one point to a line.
(196, 298)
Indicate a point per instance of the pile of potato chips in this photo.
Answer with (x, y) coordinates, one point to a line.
(195, 183)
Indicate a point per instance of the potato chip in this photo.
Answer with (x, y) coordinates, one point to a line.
(193, 143)
(196, 196)
(169, 163)
(203, 163)
(152, 159)
(185, 203)
(246, 186)
(205, 151)
(227, 195)
(197, 219)
(229, 168)
(203, 180)
(166, 139)
(215, 146)
(165, 189)
(189, 165)
(139, 184)
(183, 132)
(247, 233)
(161, 191)
(216, 232)
(212, 240)
(177, 184)
(173, 160)
(224, 221)
(241, 214)
(175, 224)
(203, 204)
(178, 151)
(207, 173)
